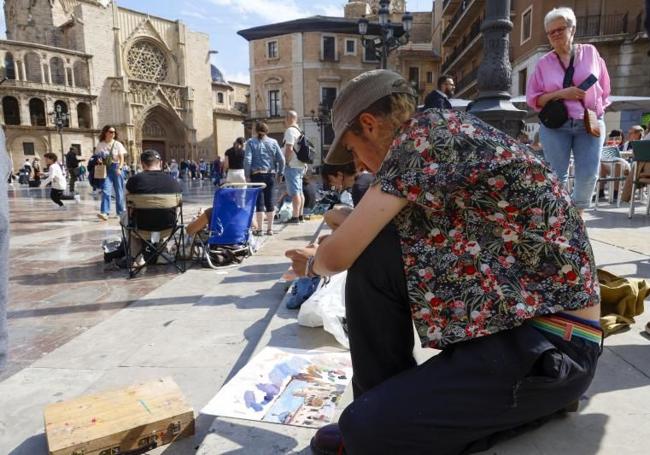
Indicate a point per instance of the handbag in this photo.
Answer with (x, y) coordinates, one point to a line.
(100, 171)
(554, 113)
(591, 122)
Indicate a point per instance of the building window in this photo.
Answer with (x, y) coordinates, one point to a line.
(84, 115)
(414, 77)
(272, 49)
(147, 62)
(526, 25)
(37, 112)
(219, 97)
(10, 67)
(274, 103)
(429, 77)
(11, 110)
(64, 110)
(350, 47)
(523, 77)
(369, 54)
(328, 95)
(28, 149)
(329, 48)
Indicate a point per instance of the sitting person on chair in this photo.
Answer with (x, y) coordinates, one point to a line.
(152, 181)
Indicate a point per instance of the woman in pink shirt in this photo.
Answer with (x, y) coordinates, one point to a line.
(546, 84)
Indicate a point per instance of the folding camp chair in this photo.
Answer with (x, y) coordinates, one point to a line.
(611, 157)
(640, 173)
(140, 227)
(227, 239)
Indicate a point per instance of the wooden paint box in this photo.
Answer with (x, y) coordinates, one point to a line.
(134, 419)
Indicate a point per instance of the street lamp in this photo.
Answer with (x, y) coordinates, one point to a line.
(384, 45)
(322, 118)
(60, 120)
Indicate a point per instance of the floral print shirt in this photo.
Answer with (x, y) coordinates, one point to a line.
(490, 238)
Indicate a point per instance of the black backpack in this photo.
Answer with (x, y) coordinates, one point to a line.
(305, 151)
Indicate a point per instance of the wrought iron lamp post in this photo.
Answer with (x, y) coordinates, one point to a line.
(60, 120)
(321, 119)
(494, 81)
(387, 42)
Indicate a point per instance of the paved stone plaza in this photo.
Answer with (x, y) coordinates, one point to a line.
(76, 328)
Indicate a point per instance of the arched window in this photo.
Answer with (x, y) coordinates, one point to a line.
(219, 97)
(146, 61)
(84, 115)
(33, 67)
(57, 69)
(64, 110)
(37, 112)
(11, 110)
(10, 67)
(81, 74)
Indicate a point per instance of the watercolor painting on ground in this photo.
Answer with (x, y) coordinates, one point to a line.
(286, 386)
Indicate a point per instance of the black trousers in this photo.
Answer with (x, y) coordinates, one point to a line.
(73, 176)
(57, 196)
(459, 401)
(265, 197)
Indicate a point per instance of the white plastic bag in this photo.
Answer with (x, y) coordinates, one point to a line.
(326, 307)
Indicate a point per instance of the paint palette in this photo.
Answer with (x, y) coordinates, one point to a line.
(139, 417)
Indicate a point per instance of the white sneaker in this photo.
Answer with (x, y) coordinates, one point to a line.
(77, 198)
(139, 262)
(102, 216)
(62, 207)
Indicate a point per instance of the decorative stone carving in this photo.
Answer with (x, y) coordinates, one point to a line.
(173, 95)
(152, 128)
(142, 93)
(147, 62)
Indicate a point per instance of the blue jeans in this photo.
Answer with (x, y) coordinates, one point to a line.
(293, 177)
(572, 137)
(113, 181)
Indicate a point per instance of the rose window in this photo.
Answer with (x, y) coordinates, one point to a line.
(147, 62)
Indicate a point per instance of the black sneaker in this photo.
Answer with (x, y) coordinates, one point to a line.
(293, 220)
(301, 219)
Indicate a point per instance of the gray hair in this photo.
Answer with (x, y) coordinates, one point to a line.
(563, 12)
(292, 115)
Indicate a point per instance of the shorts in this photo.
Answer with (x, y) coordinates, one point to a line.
(293, 177)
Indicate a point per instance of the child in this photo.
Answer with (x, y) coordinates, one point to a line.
(57, 179)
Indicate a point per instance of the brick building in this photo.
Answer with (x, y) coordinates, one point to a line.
(302, 65)
(103, 64)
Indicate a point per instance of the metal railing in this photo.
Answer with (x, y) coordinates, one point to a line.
(602, 25)
(467, 80)
(266, 114)
(475, 30)
(464, 6)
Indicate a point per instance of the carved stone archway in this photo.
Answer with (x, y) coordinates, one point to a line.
(162, 131)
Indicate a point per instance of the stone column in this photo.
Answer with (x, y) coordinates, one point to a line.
(23, 106)
(72, 79)
(49, 107)
(65, 75)
(23, 72)
(73, 119)
(494, 80)
(49, 74)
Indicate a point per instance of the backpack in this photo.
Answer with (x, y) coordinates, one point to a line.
(305, 151)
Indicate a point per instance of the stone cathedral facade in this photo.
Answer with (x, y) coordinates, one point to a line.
(101, 64)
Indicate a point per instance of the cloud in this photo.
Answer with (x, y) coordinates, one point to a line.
(239, 76)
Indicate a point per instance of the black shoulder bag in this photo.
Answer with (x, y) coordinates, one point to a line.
(554, 113)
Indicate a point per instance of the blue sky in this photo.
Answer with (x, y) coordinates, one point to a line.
(221, 19)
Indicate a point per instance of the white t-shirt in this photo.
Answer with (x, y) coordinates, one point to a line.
(55, 177)
(291, 136)
(104, 149)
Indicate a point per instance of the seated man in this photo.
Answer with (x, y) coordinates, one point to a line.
(152, 181)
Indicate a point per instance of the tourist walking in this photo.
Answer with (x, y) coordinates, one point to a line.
(72, 161)
(111, 153)
(173, 169)
(560, 90)
(476, 244)
(215, 171)
(56, 178)
(233, 163)
(440, 98)
(264, 163)
(35, 180)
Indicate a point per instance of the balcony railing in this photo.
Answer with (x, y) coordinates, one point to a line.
(466, 81)
(266, 114)
(475, 30)
(49, 87)
(602, 25)
(464, 6)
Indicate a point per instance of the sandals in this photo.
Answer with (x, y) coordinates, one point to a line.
(269, 232)
(257, 232)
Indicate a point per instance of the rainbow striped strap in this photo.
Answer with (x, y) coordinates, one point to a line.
(566, 328)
